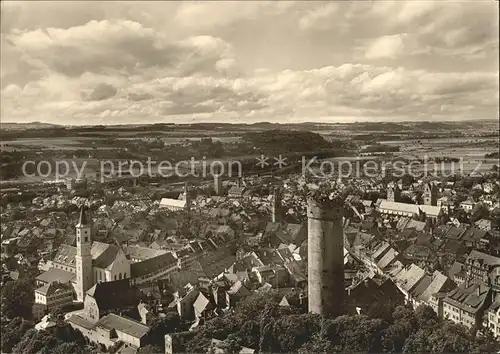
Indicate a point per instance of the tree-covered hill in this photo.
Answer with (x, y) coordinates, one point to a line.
(287, 141)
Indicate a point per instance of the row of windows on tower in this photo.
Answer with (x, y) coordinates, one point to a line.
(86, 237)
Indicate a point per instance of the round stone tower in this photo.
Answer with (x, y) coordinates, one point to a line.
(325, 257)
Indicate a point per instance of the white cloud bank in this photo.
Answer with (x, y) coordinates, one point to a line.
(117, 63)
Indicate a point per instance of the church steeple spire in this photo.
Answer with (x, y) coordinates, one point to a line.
(82, 221)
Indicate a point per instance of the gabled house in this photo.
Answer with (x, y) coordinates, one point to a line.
(237, 292)
(107, 297)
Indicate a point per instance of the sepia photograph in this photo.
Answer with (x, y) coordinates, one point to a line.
(254, 177)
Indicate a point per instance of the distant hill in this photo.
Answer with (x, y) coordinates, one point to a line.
(31, 125)
(388, 129)
(286, 141)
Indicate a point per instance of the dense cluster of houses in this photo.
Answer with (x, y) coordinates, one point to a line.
(453, 269)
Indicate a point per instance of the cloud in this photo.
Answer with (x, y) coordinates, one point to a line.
(320, 17)
(386, 47)
(132, 96)
(445, 28)
(101, 92)
(203, 15)
(106, 46)
(257, 60)
(354, 90)
(413, 11)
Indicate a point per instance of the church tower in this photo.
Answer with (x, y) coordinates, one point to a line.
(393, 193)
(83, 256)
(430, 194)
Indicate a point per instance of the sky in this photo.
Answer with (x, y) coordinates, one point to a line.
(92, 62)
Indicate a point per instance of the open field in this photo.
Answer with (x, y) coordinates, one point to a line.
(454, 147)
(470, 151)
(443, 141)
(172, 140)
(137, 143)
(78, 142)
(63, 143)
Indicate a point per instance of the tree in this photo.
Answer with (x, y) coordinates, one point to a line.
(485, 343)
(426, 317)
(65, 340)
(17, 298)
(407, 179)
(250, 332)
(406, 199)
(272, 329)
(291, 332)
(443, 220)
(394, 337)
(35, 342)
(232, 344)
(75, 348)
(56, 313)
(476, 194)
(12, 332)
(319, 343)
(418, 197)
(356, 333)
(150, 349)
(479, 212)
(449, 338)
(266, 327)
(417, 342)
(461, 216)
(171, 323)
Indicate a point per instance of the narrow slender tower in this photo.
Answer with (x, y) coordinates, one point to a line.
(217, 184)
(325, 258)
(276, 206)
(186, 195)
(83, 256)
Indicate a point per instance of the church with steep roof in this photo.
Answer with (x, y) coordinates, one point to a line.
(91, 261)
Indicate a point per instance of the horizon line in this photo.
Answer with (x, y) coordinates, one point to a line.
(249, 124)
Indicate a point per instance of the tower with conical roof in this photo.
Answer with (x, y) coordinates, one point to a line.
(83, 256)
